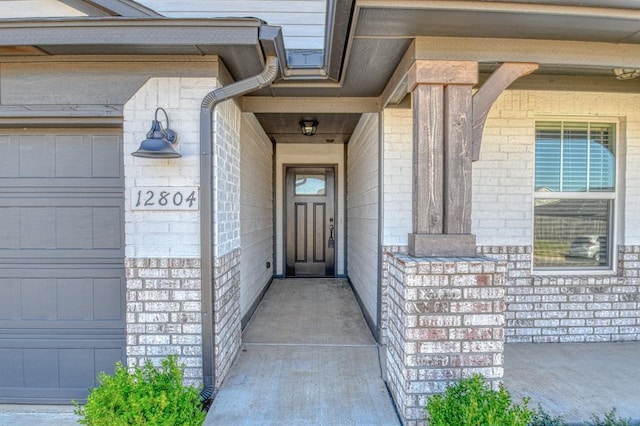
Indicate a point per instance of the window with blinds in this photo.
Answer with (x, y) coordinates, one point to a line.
(574, 195)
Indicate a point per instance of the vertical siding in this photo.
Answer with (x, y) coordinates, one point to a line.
(302, 21)
(256, 211)
(362, 212)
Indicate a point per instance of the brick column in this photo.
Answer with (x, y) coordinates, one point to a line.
(163, 313)
(446, 322)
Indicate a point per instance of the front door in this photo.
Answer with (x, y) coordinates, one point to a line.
(310, 225)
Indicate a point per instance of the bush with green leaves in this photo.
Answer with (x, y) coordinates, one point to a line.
(472, 402)
(610, 419)
(144, 396)
(542, 418)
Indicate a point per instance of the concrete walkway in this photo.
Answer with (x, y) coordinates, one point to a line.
(576, 380)
(308, 358)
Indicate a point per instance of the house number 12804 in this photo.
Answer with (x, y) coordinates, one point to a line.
(165, 198)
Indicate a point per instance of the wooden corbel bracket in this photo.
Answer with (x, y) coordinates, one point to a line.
(484, 98)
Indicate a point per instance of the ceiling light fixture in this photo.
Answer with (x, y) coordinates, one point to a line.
(309, 127)
(626, 73)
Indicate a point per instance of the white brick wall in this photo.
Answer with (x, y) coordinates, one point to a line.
(155, 234)
(226, 185)
(504, 217)
(302, 21)
(256, 211)
(398, 169)
(503, 178)
(362, 212)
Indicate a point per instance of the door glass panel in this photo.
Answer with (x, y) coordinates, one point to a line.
(308, 184)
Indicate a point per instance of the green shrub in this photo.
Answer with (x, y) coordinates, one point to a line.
(610, 419)
(471, 402)
(542, 418)
(145, 396)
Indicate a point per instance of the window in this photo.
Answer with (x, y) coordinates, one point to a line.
(308, 184)
(575, 194)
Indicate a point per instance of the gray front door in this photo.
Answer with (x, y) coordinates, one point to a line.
(310, 226)
(62, 281)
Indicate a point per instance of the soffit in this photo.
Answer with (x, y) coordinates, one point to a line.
(543, 22)
(285, 128)
(237, 42)
(382, 30)
(572, 40)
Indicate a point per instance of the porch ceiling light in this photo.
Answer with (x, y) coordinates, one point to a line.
(309, 127)
(626, 73)
(160, 142)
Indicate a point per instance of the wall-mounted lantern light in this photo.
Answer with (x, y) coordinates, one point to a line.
(160, 143)
(309, 127)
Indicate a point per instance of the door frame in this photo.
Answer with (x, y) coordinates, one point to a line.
(285, 169)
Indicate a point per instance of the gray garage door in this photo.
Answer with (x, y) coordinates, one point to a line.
(61, 262)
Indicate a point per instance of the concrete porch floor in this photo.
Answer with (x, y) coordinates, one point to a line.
(576, 380)
(307, 358)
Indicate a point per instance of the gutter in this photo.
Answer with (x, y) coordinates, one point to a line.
(207, 188)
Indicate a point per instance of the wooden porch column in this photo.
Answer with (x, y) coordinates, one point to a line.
(442, 153)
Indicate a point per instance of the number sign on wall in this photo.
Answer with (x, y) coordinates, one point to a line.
(165, 198)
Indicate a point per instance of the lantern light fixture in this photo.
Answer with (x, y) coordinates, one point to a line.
(160, 142)
(626, 73)
(309, 127)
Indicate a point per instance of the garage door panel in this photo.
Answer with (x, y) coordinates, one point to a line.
(77, 368)
(75, 299)
(9, 298)
(9, 155)
(10, 231)
(36, 156)
(11, 363)
(72, 300)
(108, 234)
(106, 157)
(74, 227)
(67, 228)
(38, 299)
(107, 299)
(62, 284)
(32, 380)
(71, 155)
(37, 368)
(37, 228)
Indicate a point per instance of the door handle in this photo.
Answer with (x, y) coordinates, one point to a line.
(331, 243)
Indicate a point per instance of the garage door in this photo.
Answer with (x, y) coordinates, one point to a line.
(61, 262)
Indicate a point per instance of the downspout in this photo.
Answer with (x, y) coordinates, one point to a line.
(207, 237)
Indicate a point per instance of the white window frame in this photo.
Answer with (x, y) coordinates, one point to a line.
(615, 214)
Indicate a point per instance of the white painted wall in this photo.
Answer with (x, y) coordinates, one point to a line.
(302, 21)
(256, 211)
(503, 178)
(164, 233)
(362, 212)
(301, 154)
(398, 176)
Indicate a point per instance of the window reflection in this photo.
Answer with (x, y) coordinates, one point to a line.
(309, 184)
